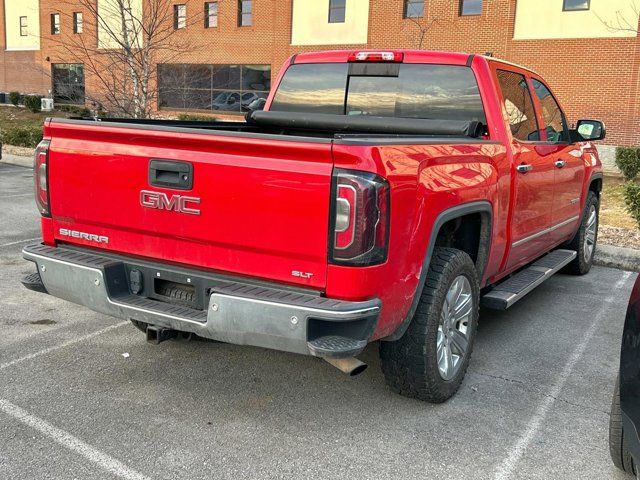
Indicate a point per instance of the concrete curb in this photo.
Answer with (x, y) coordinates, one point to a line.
(617, 257)
(17, 160)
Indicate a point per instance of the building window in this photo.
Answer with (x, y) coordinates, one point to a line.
(413, 9)
(78, 24)
(210, 14)
(575, 5)
(470, 7)
(23, 26)
(245, 13)
(68, 83)
(55, 24)
(179, 17)
(225, 88)
(337, 11)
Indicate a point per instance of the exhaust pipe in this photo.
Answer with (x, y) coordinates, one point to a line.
(351, 366)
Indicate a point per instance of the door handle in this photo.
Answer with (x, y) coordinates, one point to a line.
(524, 168)
(171, 174)
(561, 163)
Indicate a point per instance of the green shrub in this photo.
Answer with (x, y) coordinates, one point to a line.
(78, 110)
(14, 97)
(22, 136)
(632, 196)
(33, 103)
(628, 161)
(189, 117)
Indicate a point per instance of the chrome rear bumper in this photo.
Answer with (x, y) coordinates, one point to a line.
(232, 311)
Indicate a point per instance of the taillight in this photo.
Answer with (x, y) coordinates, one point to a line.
(395, 57)
(359, 219)
(41, 177)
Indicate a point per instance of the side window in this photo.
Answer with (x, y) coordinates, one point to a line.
(551, 113)
(519, 106)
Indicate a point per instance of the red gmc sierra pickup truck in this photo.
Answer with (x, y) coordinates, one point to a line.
(377, 196)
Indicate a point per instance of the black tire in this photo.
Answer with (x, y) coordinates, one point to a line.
(410, 364)
(581, 265)
(140, 325)
(617, 444)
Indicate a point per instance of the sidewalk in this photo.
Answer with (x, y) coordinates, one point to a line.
(17, 160)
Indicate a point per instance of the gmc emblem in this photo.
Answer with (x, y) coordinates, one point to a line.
(175, 203)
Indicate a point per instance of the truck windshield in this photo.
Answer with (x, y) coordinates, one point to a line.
(440, 92)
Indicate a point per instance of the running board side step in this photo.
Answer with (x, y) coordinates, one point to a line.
(507, 293)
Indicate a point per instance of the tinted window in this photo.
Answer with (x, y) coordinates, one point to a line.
(337, 10)
(575, 5)
(551, 113)
(212, 87)
(245, 13)
(519, 106)
(470, 7)
(442, 92)
(413, 8)
(313, 88)
(68, 83)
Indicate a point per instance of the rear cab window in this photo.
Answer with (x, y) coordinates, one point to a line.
(425, 91)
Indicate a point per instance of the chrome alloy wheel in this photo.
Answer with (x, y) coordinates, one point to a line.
(453, 330)
(590, 234)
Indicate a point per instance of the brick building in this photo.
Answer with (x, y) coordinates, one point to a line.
(588, 50)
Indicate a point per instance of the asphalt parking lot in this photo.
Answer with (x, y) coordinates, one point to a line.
(83, 396)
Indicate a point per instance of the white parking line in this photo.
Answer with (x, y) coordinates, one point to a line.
(61, 345)
(17, 195)
(22, 170)
(20, 241)
(506, 469)
(74, 444)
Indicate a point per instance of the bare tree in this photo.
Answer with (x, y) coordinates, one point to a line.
(419, 28)
(132, 37)
(624, 21)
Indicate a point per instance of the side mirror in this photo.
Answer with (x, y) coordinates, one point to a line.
(591, 129)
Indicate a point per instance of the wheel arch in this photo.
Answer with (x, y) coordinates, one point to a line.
(595, 183)
(484, 210)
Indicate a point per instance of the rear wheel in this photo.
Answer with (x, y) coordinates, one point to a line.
(617, 444)
(584, 243)
(430, 360)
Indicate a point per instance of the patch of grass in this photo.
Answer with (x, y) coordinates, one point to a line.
(613, 209)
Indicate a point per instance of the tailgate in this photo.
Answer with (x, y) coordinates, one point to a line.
(258, 205)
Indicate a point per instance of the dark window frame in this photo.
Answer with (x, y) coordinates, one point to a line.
(565, 9)
(55, 24)
(242, 13)
(533, 104)
(24, 27)
(177, 17)
(334, 8)
(208, 16)
(461, 9)
(407, 3)
(78, 22)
